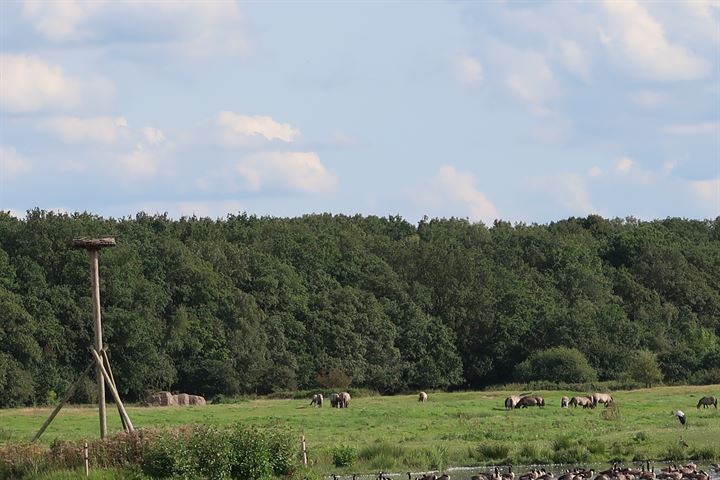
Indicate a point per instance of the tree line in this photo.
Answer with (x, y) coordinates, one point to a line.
(251, 304)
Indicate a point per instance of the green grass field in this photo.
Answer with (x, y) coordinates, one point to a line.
(451, 429)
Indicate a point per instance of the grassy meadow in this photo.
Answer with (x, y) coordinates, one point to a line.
(452, 429)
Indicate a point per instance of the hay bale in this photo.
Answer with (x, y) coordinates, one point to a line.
(160, 399)
(167, 399)
(197, 400)
(182, 399)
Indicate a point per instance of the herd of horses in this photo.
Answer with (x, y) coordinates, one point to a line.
(342, 400)
(337, 400)
(589, 401)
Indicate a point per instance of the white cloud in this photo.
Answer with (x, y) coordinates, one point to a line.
(566, 189)
(629, 170)
(11, 163)
(153, 135)
(59, 21)
(595, 171)
(297, 171)
(468, 69)
(574, 58)
(639, 39)
(187, 28)
(532, 81)
(648, 98)
(707, 192)
(712, 128)
(139, 162)
(106, 130)
(624, 164)
(240, 129)
(456, 190)
(29, 85)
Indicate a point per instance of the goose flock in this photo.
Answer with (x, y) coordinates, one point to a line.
(645, 472)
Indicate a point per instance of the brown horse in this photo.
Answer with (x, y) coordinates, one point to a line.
(527, 402)
(707, 402)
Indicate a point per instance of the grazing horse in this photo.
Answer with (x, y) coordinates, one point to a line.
(527, 402)
(603, 398)
(511, 401)
(585, 402)
(344, 400)
(422, 398)
(317, 399)
(706, 402)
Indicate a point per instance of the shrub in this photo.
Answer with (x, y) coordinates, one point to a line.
(705, 453)
(50, 398)
(675, 452)
(213, 452)
(251, 454)
(558, 364)
(611, 412)
(575, 454)
(567, 450)
(168, 457)
(438, 457)
(492, 451)
(343, 455)
(335, 378)
(283, 452)
(530, 453)
(562, 442)
(187, 453)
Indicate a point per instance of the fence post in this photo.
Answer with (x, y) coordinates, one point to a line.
(304, 451)
(87, 460)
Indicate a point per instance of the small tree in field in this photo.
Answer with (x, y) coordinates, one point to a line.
(645, 369)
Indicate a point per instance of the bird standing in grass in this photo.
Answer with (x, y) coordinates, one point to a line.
(681, 416)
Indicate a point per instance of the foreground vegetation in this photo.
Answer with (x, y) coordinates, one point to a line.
(453, 429)
(256, 305)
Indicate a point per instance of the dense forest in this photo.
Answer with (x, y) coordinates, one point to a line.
(255, 305)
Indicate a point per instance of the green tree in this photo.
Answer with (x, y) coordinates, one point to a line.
(645, 369)
(558, 364)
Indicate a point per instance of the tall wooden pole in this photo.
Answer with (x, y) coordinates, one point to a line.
(93, 246)
(97, 324)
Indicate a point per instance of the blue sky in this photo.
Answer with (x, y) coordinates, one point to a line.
(523, 111)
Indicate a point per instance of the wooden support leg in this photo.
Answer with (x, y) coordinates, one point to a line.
(112, 389)
(106, 362)
(62, 402)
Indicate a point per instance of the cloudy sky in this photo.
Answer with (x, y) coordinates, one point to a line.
(524, 111)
